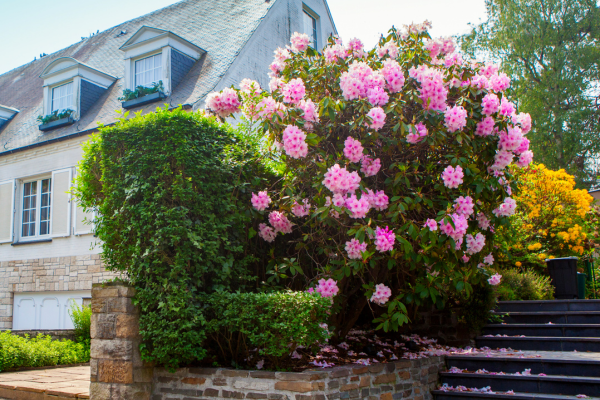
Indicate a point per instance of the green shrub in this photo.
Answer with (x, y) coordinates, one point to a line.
(40, 351)
(274, 323)
(525, 285)
(475, 310)
(82, 321)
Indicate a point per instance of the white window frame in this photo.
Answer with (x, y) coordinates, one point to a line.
(69, 97)
(145, 57)
(38, 207)
(314, 33)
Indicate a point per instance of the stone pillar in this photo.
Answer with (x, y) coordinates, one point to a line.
(117, 371)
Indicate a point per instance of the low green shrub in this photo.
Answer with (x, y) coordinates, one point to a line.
(475, 310)
(524, 285)
(40, 351)
(273, 323)
(82, 321)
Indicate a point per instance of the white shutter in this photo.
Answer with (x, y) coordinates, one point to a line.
(83, 221)
(7, 207)
(61, 203)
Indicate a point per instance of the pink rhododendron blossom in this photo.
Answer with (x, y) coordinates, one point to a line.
(377, 115)
(260, 201)
(353, 149)
(294, 142)
(489, 69)
(266, 232)
(510, 140)
(354, 248)
(485, 127)
(390, 48)
(506, 209)
(393, 75)
(355, 47)
(464, 206)
(370, 167)
(502, 159)
(327, 288)
(458, 242)
(465, 258)
(377, 96)
(224, 103)
(525, 159)
(377, 200)
(311, 113)
(416, 133)
(499, 83)
(433, 92)
(453, 177)
(293, 91)
(267, 107)
(339, 200)
(339, 180)
(358, 207)
(480, 82)
(524, 120)
(280, 222)
(384, 239)
(457, 231)
(523, 146)
(495, 279)
(455, 118)
(482, 221)
(282, 55)
(491, 104)
(300, 42)
(431, 224)
(332, 53)
(275, 83)
(453, 59)
(301, 210)
(250, 87)
(506, 107)
(475, 243)
(381, 295)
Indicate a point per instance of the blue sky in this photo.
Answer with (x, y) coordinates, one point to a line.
(31, 27)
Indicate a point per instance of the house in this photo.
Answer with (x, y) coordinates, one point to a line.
(48, 253)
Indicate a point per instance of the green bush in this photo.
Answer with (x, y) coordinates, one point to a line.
(274, 323)
(524, 285)
(475, 310)
(40, 351)
(82, 321)
(172, 193)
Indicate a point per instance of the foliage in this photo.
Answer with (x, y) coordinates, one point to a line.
(141, 91)
(40, 351)
(274, 323)
(430, 123)
(549, 49)
(552, 220)
(171, 190)
(524, 284)
(475, 311)
(82, 320)
(54, 116)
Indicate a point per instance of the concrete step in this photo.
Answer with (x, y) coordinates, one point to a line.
(556, 330)
(441, 395)
(582, 344)
(547, 362)
(566, 385)
(556, 317)
(548, 305)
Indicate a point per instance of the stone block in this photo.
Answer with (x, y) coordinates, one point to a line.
(375, 369)
(100, 391)
(405, 375)
(234, 373)
(115, 371)
(250, 385)
(365, 381)
(262, 374)
(300, 376)
(340, 372)
(349, 386)
(112, 349)
(210, 392)
(127, 326)
(103, 326)
(143, 374)
(121, 305)
(277, 396)
(253, 395)
(99, 292)
(296, 386)
(231, 394)
(219, 381)
(191, 381)
(385, 378)
(99, 305)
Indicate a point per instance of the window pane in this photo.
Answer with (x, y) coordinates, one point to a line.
(310, 28)
(148, 70)
(45, 207)
(29, 205)
(62, 97)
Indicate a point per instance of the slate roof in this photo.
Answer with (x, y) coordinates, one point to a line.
(221, 27)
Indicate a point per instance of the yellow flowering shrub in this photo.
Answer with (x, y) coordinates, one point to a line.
(552, 218)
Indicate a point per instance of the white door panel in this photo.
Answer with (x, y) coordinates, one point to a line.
(45, 310)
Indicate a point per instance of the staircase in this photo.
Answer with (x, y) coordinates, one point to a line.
(559, 339)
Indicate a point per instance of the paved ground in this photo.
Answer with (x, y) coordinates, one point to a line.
(67, 382)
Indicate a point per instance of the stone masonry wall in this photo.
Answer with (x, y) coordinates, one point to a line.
(406, 379)
(47, 274)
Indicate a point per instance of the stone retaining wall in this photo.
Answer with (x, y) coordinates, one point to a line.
(56, 334)
(406, 379)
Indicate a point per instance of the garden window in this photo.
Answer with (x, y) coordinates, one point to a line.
(62, 97)
(36, 208)
(310, 28)
(148, 70)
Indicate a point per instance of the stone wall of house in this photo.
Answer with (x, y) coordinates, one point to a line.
(47, 274)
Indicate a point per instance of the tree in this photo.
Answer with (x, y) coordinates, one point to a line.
(550, 50)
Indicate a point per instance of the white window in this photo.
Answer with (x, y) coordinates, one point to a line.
(62, 97)
(310, 28)
(148, 70)
(36, 208)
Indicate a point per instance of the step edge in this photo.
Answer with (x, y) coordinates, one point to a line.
(546, 338)
(557, 378)
(516, 396)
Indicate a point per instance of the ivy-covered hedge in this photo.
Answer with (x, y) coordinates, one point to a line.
(172, 191)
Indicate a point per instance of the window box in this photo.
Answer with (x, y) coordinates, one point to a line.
(57, 124)
(147, 99)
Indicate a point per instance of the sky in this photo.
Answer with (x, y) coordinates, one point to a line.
(31, 27)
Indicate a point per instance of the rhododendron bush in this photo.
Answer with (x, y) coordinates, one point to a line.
(396, 169)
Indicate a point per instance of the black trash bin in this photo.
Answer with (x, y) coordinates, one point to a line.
(563, 273)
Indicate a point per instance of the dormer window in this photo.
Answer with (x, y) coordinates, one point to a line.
(62, 97)
(148, 71)
(6, 114)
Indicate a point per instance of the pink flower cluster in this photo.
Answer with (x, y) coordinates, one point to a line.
(390, 48)
(506, 209)
(358, 207)
(475, 244)
(485, 127)
(416, 133)
(266, 232)
(300, 42)
(353, 149)
(340, 181)
(384, 239)
(393, 75)
(280, 222)
(356, 82)
(495, 279)
(453, 177)
(327, 288)
(377, 200)
(491, 104)
(377, 96)
(377, 116)
(294, 142)
(502, 159)
(260, 201)
(499, 83)
(506, 107)
(267, 107)
(482, 221)
(250, 87)
(301, 210)
(223, 103)
(525, 159)
(370, 167)
(464, 206)
(455, 118)
(457, 231)
(354, 248)
(381, 295)
(439, 46)
(311, 113)
(431, 224)
(332, 53)
(293, 91)
(433, 92)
